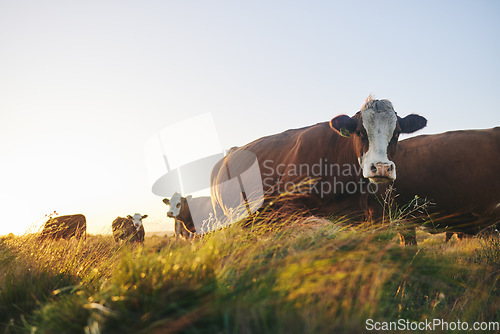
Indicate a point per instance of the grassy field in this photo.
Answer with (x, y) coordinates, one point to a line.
(293, 276)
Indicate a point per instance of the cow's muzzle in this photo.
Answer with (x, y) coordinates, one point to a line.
(382, 172)
(170, 215)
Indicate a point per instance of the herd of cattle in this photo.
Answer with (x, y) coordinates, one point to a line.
(458, 172)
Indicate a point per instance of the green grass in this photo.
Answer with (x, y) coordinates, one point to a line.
(291, 276)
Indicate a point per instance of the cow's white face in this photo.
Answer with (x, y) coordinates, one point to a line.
(137, 220)
(380, 129)
(377, 129)
(175, 204)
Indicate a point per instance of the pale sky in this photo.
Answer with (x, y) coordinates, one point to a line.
(84, 85)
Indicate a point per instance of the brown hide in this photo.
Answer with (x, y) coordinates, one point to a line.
(65, 227)
(124, 230)
(459, 171)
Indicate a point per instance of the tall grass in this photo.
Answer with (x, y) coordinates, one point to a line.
(273, 273)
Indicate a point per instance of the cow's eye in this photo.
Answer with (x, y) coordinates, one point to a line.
(178, 205)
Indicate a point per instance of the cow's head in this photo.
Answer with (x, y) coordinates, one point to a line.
(177, 205)
(137, 220)
(377, 128)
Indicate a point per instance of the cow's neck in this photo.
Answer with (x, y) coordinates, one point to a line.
(345, 157)
(185, 216)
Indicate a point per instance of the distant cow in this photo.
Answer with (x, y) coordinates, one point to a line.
(65, 227)
(187, 210)
(129, 229)
(343, 156)
(459, 171)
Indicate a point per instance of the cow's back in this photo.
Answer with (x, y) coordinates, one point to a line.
(458, 171)
(270, 151)
(65, 227)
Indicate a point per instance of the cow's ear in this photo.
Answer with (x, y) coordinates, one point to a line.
(166, 201)
(145, 216)
(344, 125)
(129, 217)
(412, 123)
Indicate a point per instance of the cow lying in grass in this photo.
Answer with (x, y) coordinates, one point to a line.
(65, 227)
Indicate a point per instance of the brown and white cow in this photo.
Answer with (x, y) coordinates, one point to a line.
(129, 229)
(179, 210)
(458, 171)
(186, 211)
(341, 155)
(65, 227)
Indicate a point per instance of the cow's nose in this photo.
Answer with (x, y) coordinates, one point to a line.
(384, 170)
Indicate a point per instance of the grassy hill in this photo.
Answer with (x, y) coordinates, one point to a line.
(291, 276)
